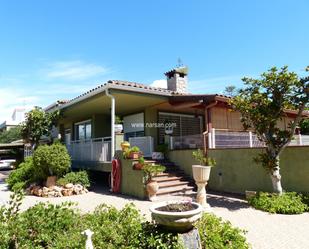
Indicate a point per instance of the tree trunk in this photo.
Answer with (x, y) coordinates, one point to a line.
(276, 178)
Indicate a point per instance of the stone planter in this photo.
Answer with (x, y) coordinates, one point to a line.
(201, 173)
(176, 221)
(152, 188)
(201, 176)
(118, 128)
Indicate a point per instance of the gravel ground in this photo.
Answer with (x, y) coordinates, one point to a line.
(265, 230)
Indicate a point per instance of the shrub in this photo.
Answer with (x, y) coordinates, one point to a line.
(215, 233)
(80, 177)
(51, 160)
(60, 226)
(287, 203)
(22, 176)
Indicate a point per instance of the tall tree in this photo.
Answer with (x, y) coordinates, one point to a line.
(262, 104)
(38, 123)
(10, 135)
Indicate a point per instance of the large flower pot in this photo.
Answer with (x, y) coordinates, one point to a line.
(125, 145)
(176, 221)
(201, 173)
(201, 177)
(152, 188)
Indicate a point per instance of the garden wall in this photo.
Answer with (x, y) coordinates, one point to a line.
(131, 180)
(236, 172)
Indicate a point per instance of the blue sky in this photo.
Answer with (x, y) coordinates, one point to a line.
(53, 50)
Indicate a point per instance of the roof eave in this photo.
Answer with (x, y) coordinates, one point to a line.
(116, 87)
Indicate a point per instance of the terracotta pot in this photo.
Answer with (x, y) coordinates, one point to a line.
(51, 181)
(152, 188)
(134, 155)
(138, 166)
(125, 145)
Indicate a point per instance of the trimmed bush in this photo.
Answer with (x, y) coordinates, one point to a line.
(215, 233)
(287, 203)
(80, 177)
(22, 176)
(51, 160)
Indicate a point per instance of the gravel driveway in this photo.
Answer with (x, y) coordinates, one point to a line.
(264, 230)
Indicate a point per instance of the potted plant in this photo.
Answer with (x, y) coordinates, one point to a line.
(140, 164)
(176, 216)
(163, 149)
(125, 145)
(134, 152)
(118, 124)
(202, 170)
(151, 170)
(201, 174)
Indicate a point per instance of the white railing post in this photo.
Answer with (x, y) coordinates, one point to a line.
(213, 138)
(250, 139)
(171, 143)
(209, 140)
(300, 140)
(91, 150)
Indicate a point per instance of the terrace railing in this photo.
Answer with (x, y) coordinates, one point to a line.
(96, 149)
(187, 142)
(220, 138)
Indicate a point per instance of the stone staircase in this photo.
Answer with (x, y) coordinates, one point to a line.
(173, 181)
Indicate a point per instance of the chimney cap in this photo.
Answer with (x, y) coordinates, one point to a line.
(181, 70)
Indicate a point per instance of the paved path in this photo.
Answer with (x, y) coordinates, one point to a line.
(265, 231)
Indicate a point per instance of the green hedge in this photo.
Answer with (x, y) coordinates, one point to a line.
(80, 177)
(60, 226)
(287, 203)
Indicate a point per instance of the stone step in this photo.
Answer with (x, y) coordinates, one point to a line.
(167, 184)
(167, 178)
(175, 189)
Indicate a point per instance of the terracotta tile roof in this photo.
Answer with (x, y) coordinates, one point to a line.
(132, 85)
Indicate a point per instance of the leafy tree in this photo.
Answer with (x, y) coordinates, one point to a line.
(304, 125)
(11, 135)
(230, 91)
(38, 123)
(262, 104)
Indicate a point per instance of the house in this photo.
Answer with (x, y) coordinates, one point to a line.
(151, 116)
(18, 116)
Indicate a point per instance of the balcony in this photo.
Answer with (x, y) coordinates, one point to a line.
(91, 150)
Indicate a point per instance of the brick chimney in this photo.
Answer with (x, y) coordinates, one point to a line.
(177, 79)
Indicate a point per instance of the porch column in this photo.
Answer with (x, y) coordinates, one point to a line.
(112, 123)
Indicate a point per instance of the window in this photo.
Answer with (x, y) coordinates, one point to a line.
(184, 124)
(83, 130)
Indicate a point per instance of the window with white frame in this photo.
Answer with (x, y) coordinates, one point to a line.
(83, 130)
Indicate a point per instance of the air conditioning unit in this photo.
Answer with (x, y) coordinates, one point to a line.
(144, 143)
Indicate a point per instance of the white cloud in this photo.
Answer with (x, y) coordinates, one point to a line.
(159, 83)
(74, 70)
(11, 98)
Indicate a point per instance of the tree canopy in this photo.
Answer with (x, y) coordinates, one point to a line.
(263, 103)
(38, 123)
(11, 135)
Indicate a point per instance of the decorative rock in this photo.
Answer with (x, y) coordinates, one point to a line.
(69, 185)
(57, 191)
(67, 192)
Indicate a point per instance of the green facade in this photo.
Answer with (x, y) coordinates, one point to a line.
(236, 172)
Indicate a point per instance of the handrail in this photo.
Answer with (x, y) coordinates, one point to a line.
(103, 139)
